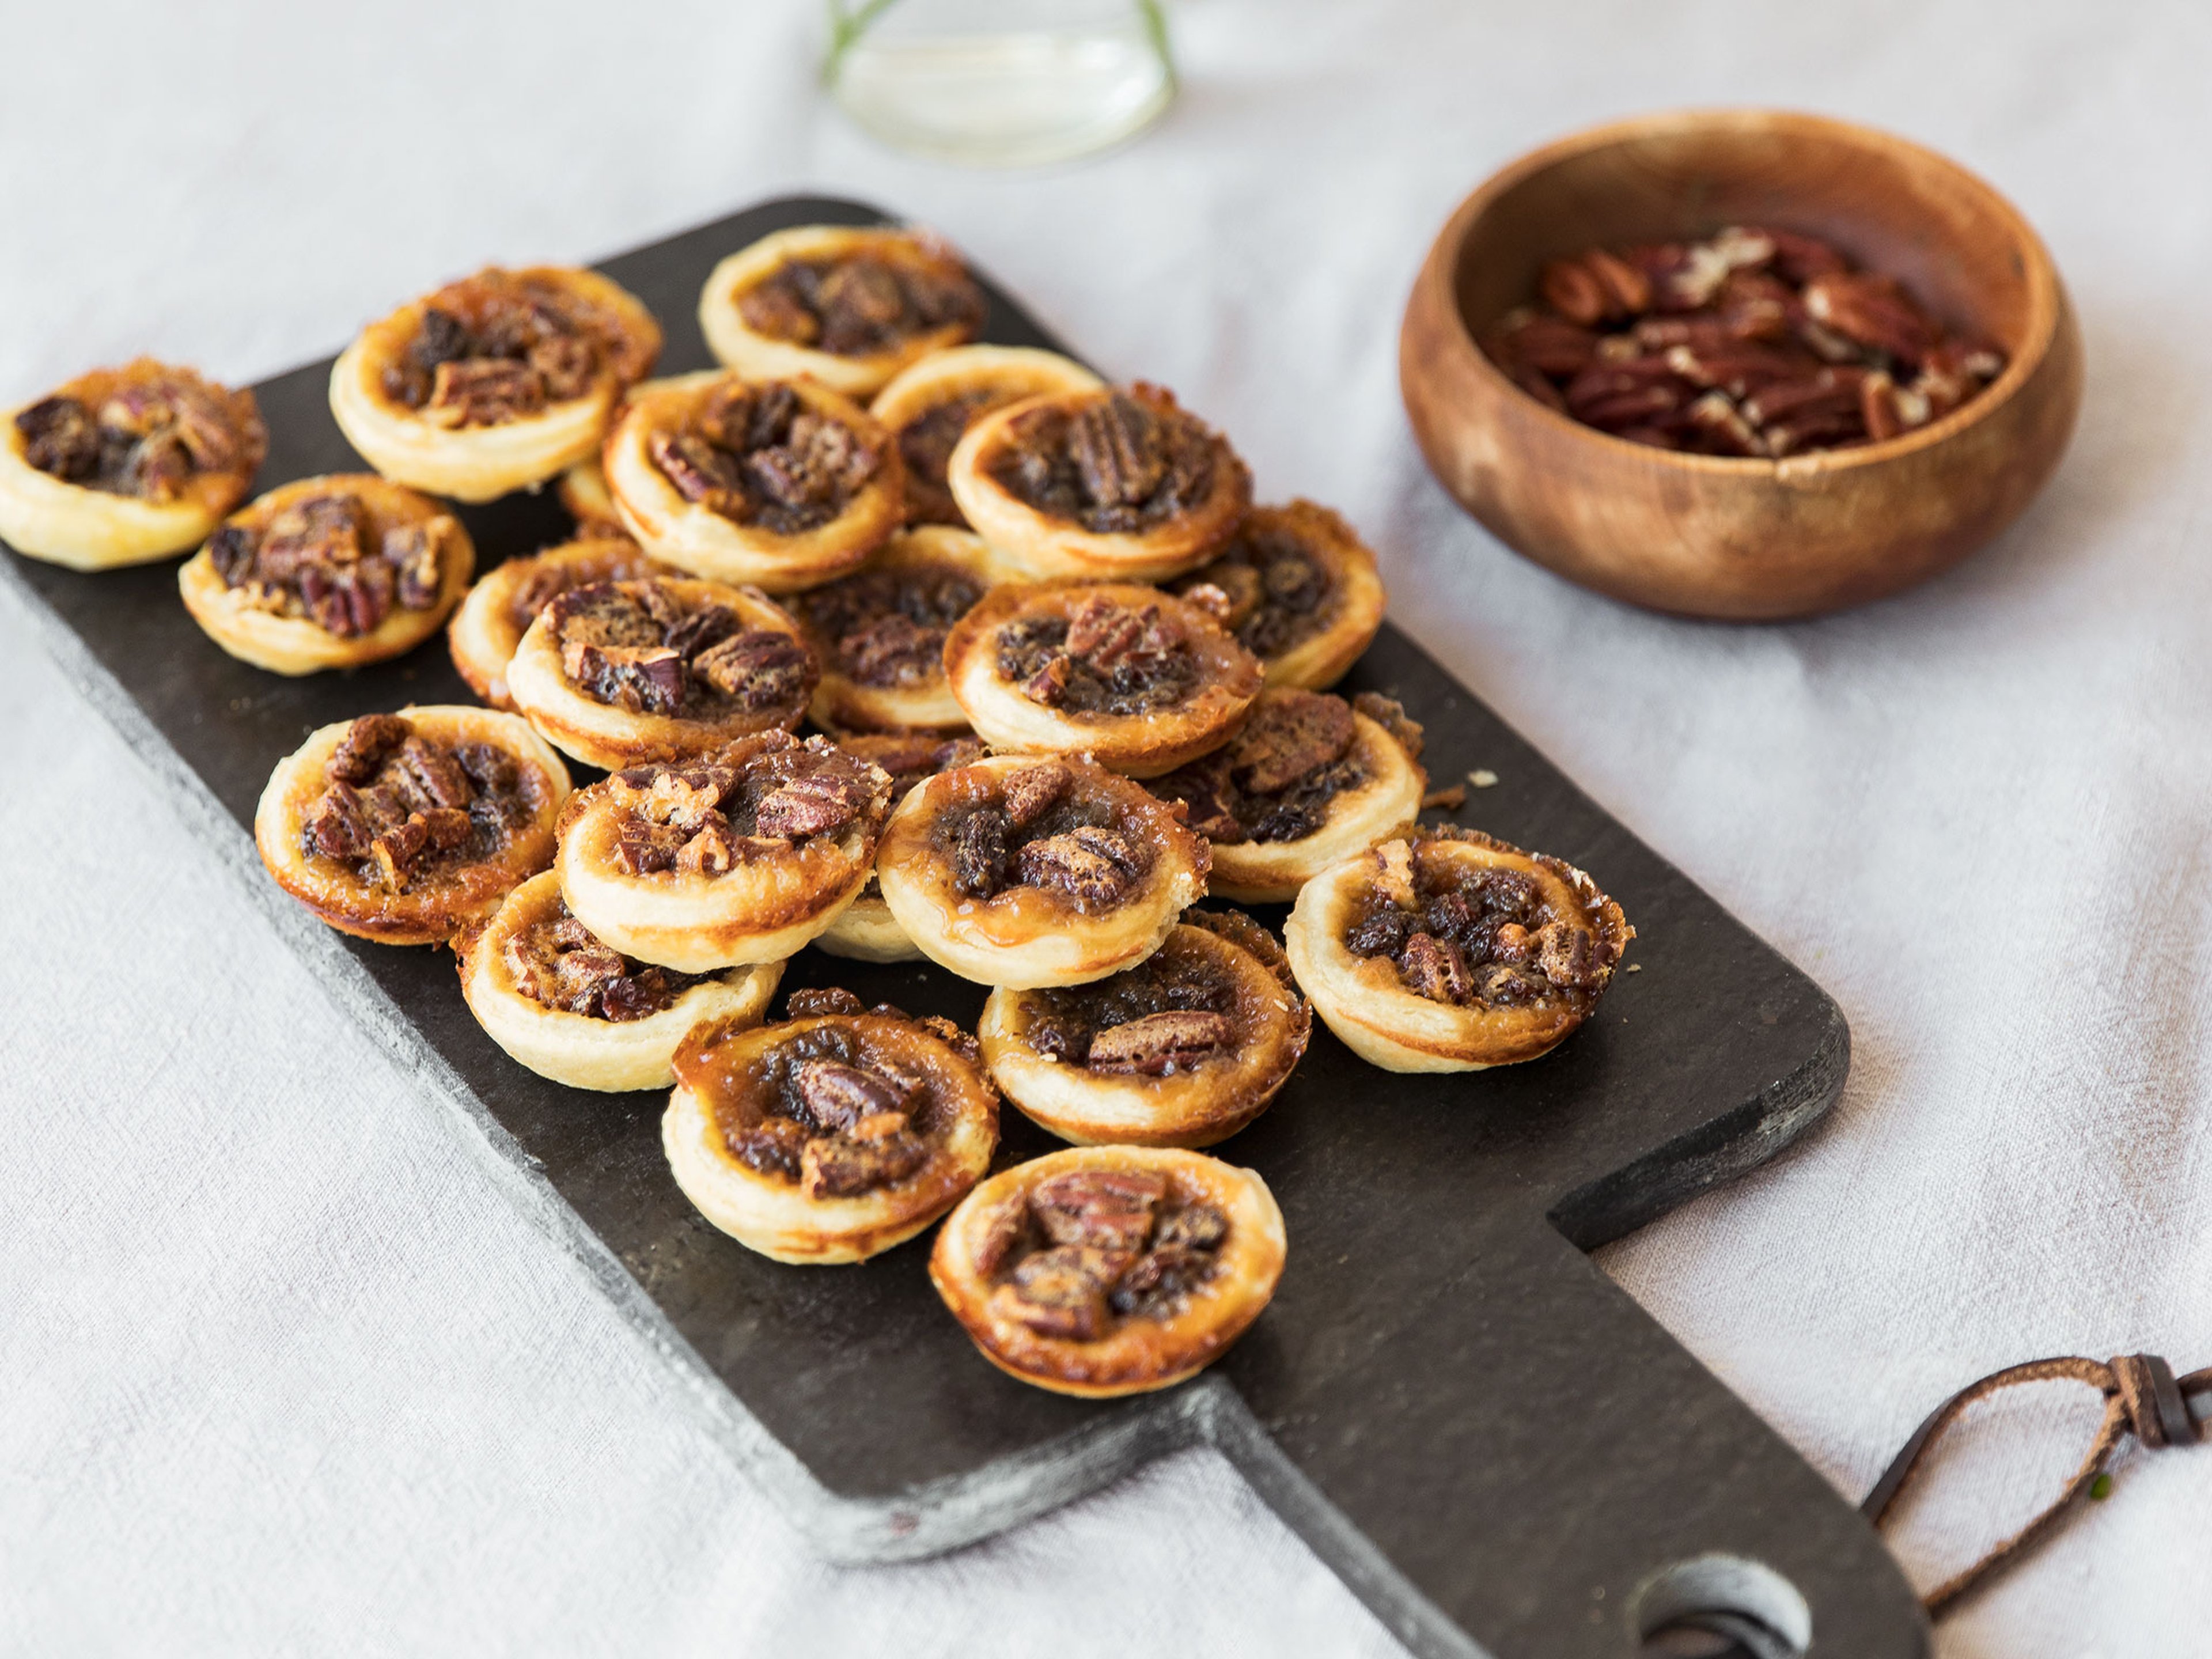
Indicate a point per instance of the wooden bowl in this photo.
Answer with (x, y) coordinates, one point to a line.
(1710, 536)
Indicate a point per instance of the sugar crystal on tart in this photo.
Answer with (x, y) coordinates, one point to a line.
(1452, 951)
(488, 627)
(547, 991)
(742, 854)
(1020, 872)
(331, 572)
(123, 465)
(494, 383)
(1110, 1270)
(928, 409)
(408, 828)
(657, 667)
(1138, 679)
(1309, 779)
(830, 1135)
(866, 930)
(846, 306)
(1298, 589)
(782, 483)
(1117, 484)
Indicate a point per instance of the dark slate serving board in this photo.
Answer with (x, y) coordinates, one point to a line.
(1490, 1441)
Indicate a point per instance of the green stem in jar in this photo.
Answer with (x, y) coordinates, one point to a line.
(847, 23)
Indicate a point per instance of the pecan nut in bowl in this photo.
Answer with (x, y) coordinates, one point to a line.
(1022, 873)
(1183, 1049)
(124, 466)
(866, 930)
(928, 409)
(1453, 951)
(333, 572)
(658, 668)
(1137, 679)
(744, 854)
(1298, 589)
(409, 828)
(1110, 1270)
(488, 627)
(494, 383)
(846, 306)
(832, 1135)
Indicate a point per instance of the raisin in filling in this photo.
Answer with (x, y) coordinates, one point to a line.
(325, 559)
(497, 348)
(560, 962)
(1093, 1247)
(827, 1109)
(635, 646)
(1275, 780)
(888, 627)
(397, 806)
(1042, 832)
(1107, 658)
(758, 455)
(146, 439)
(856, 306)
(926, 443)
(700, 818)
(1115, 465)
(1279, 594)
(1170, 1014)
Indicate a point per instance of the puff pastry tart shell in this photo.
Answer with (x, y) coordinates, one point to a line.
(930, 407)
(494, 383)
(333, 572)
(407, 829)
(848, 307)
(866, 930)
(830, 1137)
(584, 493)
(1453, 951)
(488, 626)
(124, 466)
(1184, 1049)
(1023, 872)
(571, 1010)
(1110, 1270)
(1299, 590)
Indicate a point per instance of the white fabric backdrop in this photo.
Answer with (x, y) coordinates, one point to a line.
(283, 1374)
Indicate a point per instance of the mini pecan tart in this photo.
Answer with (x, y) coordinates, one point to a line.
(329, 573)
(847, 307)
(880, 632)
(1298, 589)
(584, 495)
(832, 1135)
(866, 930)
(488, 627)
(1453, 952)
(1183, 1049)
(408, 828)
(1116, 484)
(783, 483)
(1110, 1270)
(1311, 778)
(570, 1008)
(1138, 679)
(125, 465)
(742, 856)
(1022, 873)
(495, 382)
(930, 407)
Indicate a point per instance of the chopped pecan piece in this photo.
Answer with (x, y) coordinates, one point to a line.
(643, 847)
(812, 805)
(837, 1096)
(1091, 866)
(1434, 970)
(1289, 736)
(761, 668)
(811, 1002)
(1062, 1291)
(880, 1152)
(1030, 793)
(774, 1146)
(366, 743)
(1159, 1044)
(979, 853)
(1110, 1209)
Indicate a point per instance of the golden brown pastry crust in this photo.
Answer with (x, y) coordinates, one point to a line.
(1144, 746)
(978, 379)
(583, 492)
(298, 645)
(1367, 1003)
(582, 1050)
(693, 536)
(1190, 1104)
(782, 1218)
(764, 357)
(1350, 610)
(480, 462)
(45, 517)
(1137, 1355)
(485, 631)
(452, 898)
(1027, 936)
(604, 735)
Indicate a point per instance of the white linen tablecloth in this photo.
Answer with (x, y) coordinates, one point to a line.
(284, 1373)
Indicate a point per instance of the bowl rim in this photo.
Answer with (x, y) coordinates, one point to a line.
(2046, 294)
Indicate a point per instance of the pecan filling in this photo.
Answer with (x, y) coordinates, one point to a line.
(1279, 594)
(911, 760)
(1118, 464)
(323, 559)
(559, 962)
(709, 816)
(147, 438)
(1171, 1013)
(397, 806)
(499, 347)
(1107, 658)
(926, 443)
(758, 455)
(636, 645)
(1092, 1248)
(887, 628)
(1040, 832)
(1753, 342)
(1275, 780)
(557, 576)
(856, 306)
